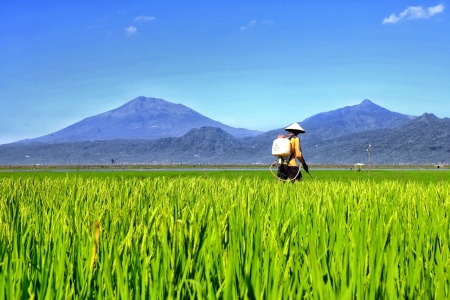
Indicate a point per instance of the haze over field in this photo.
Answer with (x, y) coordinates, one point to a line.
(245, 64)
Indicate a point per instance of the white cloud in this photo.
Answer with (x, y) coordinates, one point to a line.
(254, 23)
(144, 19)
(414, 13)
(436, 9)
(130, 30)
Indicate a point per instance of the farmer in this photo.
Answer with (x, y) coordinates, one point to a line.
(291, 170)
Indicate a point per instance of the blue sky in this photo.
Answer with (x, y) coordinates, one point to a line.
(254, 64)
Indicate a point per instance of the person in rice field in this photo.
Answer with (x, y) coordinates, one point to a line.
(291, 171)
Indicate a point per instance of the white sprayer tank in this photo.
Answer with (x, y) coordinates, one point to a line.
(281, 147)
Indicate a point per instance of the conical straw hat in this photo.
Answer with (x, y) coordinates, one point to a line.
(295, 127)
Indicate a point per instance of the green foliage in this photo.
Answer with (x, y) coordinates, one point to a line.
(222, 236)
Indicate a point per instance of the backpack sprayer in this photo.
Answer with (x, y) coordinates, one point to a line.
(281, 148)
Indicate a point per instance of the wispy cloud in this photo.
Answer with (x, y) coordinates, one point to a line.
(144, 19)
(414, 13)
(131, 30)
(254, 23)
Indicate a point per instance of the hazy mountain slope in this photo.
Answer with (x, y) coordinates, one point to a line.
(420, 140)
(204, 145)
(340, 122)
(318, 129)
(141, 118)
(424, 140)
(352, 119)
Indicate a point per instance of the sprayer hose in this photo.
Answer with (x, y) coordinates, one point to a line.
(290, 179)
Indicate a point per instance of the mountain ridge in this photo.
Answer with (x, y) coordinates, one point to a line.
(340, 136)
(140, 118)
(367, 116)
(211, 145)
(423, 140)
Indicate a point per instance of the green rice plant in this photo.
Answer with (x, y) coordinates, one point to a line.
(77, 237)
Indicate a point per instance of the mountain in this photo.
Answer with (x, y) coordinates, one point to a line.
(423, 140)
(394, 139)
(210, 145)
(351, 119)
(322, 127)
(141, 118)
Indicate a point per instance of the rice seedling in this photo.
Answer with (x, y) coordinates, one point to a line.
(222, 238)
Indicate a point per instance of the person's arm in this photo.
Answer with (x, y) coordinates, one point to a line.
(301, 159)
(298, 152)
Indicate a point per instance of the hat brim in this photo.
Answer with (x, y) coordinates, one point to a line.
(295, 130)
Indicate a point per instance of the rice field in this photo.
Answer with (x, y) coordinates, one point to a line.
(161, 236)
